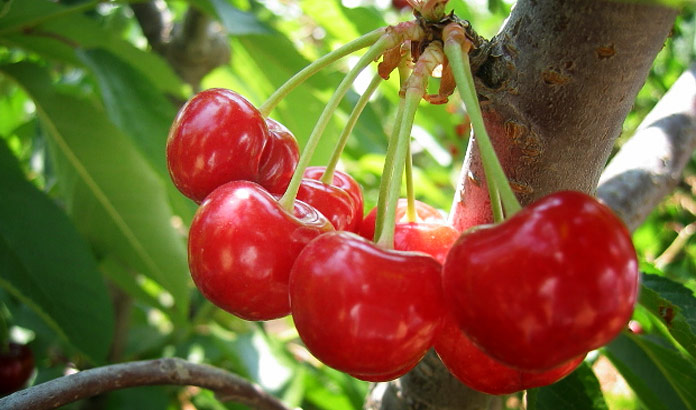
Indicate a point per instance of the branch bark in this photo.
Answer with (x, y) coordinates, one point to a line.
(193, 47)
(555, 86)
(650, 164)
(172, 371)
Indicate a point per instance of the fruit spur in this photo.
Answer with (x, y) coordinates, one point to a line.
(508, 306)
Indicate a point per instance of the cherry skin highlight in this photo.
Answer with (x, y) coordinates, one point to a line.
(242, 244)
(551, 283)
(216, 137)
(364, 310)
(341, 201)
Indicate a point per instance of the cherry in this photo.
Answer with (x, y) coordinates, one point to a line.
(364, 310)
(242, 244)
(481, 372)
(216, 137)
(430, 234)
(16, 366)
(341, 201)
(554, 281)
(279, 158)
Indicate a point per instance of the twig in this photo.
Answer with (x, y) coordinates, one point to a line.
(166, 371)
(676, 246)
(650, 164)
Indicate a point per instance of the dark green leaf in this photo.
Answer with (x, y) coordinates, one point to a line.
(674, 305)
(578, 391)
(661, 378)
(46, 264)
(113, 195)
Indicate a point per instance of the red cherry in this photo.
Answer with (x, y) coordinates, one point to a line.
(216, 137)
(242, 244)
(554, 281)
(16, 366)
(481, 372)
(341, 201)
(279, 158)
(430, 234)
(367, 311)
(424, 213)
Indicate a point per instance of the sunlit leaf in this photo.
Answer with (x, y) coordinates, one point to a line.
(112, 194)
(661, 378)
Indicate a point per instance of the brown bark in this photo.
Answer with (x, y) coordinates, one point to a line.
(169, 371)
(555, 87)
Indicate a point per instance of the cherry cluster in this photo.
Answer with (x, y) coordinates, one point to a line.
(507, 307)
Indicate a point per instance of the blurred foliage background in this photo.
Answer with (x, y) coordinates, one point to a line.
(93, 231)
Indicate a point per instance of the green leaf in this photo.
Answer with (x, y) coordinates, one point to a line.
(46, 264)
(133, 104)
(661, 378)
(56, 31)
(111, 192)
(674, 305)
(578, 391)
(235, 21)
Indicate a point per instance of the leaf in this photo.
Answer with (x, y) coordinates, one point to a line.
(661, 378)
(112, 194)
(578, 391)
(56, 31)
(46, 264)
(235, 21)
(674, 305)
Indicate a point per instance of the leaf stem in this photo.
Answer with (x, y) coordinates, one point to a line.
(498, 185)
(327, 178)
(372, 53)
(302, 75)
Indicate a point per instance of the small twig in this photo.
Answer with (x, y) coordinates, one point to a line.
(166, 371)
(676, 246)
(650, 164)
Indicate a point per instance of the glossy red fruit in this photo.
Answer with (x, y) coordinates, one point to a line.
(16, 366)
(551, 283)
(481, 372)
(341, 201)
(217, 137)
(430, 233)
(242, 244)
(363, 310)
(279, 158)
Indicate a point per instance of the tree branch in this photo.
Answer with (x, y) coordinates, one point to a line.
(193, 47)
(171, 371)
(650, 164)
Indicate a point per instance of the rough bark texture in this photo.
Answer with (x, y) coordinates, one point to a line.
(650, 164)
(555, 86)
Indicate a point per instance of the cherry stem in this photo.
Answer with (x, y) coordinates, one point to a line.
(498, 185)
(386, 183)
(381, 45)
(415, 88)
(385, 238)
(301, 76)
(327, 177)
(410, 193)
